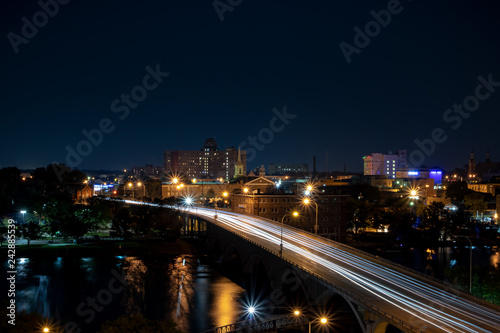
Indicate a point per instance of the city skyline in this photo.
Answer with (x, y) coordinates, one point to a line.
(288, 80)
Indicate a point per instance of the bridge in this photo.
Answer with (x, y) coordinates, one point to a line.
(379, 293)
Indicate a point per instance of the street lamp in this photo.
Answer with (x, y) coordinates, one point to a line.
(322, 320)
(470, 262)
(23, 212)
(133, 192)
(306, 201)
(139, 184)
(295, 213)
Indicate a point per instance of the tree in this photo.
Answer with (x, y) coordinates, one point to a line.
(31, 231)
(457, 191)
(153, 189)
(138, 324)
(122, 222)
(84, 219)
(475, 203)
(165, 222)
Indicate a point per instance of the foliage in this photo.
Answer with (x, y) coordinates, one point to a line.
(138, 324)
(485, 281)
(475, 202)
(30, 231)
(457, 191)
(153, 189)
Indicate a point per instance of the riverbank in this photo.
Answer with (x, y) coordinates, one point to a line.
(104, 248)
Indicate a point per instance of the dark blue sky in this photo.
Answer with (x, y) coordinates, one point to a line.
(227, 76)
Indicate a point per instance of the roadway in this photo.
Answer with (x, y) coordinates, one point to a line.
(417, 301)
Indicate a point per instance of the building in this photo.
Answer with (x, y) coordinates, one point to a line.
(148, 170)
(377, 164)
(482, 171)
(83, 193)
(332, 211)
(287, 169)
(435, 174)
(209, 162)
(491, 188)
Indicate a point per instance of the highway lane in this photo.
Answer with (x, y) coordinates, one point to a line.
(421, 304)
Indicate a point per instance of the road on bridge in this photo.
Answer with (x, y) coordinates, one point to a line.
(416, 300)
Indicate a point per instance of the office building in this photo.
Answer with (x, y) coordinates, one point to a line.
(209, 162)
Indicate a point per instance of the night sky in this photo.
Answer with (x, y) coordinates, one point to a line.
(226, 77)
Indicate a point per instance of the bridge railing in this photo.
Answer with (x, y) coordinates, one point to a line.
(252, 326)
(359, 300)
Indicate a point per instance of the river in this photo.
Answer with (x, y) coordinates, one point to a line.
(176, 287)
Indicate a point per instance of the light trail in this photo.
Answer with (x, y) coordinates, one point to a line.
(402, 295)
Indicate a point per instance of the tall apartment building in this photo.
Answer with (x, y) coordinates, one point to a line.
(385, 164)
(209, 162)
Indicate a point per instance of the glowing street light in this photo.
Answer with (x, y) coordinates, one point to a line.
(295, 213)
(46, 329)
(251, 310)
(307, 201)
(23, 212)
(245, 190)
(322, 320)
(175, 180)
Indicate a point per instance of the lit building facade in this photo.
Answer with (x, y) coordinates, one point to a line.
(378, 164)
(209, 162)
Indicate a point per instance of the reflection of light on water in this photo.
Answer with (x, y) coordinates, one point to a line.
(41, 298)
(226, 294)
(182, 279)
(135, 275)
(495, 259)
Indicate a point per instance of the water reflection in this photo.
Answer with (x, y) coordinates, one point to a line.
(495, 259)
(225, 310)
(179, 288)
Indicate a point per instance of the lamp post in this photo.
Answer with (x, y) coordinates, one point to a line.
(322, 320)
(307, 201)
(139, 184)
(295, 213)
(23, 212)
(470, 261)
(130, 185)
